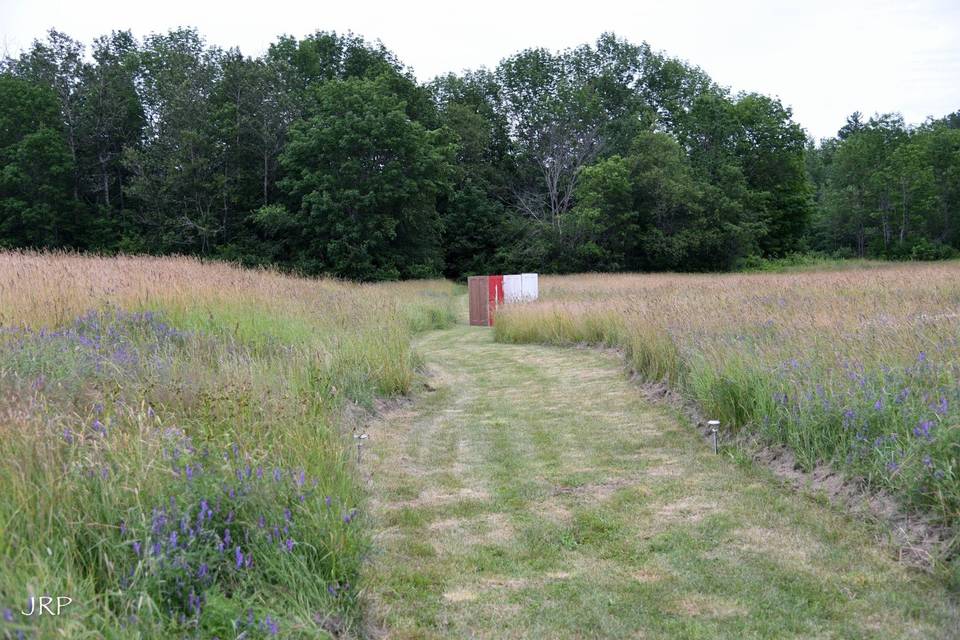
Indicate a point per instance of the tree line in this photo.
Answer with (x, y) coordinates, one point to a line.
(887, 190)
(325, 155)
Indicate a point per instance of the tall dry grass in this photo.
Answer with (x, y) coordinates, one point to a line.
(858, 368)
(172, 457)
(51, 289)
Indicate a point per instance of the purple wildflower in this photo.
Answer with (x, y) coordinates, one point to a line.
(136, 548)
(923, 429)
(238, 556)
(202, 571)
(942, 406)
(848, 417)
(67, 436)
(194, 603)
(927, 461)
(8, 615)
(289, 544)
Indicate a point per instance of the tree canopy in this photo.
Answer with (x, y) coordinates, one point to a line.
(325, 155)
(362, 179)
(887, 190)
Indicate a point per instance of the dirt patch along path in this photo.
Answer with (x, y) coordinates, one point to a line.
(533, 492)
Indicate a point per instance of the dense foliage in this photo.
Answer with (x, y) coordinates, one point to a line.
(325, 155)
(888, 190)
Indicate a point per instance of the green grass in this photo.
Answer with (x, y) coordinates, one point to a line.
(99, 424)
(535, 494)
(854, 370)
(530, 492)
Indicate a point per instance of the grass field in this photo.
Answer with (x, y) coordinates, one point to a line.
(533, 492)
(858, 368)
(178, 457)
(172, 451)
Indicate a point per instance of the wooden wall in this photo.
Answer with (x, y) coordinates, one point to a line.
(479, 290)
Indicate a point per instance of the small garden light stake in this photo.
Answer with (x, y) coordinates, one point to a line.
(359, 438)
(714, 428)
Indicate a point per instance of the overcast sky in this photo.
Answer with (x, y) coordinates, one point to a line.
(824, 58)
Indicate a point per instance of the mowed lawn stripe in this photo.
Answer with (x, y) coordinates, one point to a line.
(534, 493)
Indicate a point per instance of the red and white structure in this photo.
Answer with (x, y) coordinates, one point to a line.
(489, 292)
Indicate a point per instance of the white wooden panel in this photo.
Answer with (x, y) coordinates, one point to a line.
(512, 288)
(530, 284)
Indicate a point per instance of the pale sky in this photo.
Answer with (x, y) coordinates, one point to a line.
(823, 58)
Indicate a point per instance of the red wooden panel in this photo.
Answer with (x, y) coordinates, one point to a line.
(495, 290)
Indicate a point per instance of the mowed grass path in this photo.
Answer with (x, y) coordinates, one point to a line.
(533, 493)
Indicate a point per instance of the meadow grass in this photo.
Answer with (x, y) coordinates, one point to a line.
(857, 368)
(532, 492)
(173, 457)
